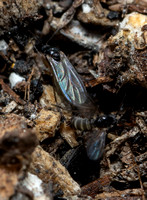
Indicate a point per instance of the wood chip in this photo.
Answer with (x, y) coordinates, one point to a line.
(49, 169)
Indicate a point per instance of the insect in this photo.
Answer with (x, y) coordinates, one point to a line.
(68, 80)
(74, 91)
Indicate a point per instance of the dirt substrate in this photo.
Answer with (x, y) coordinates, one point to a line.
(52, 147)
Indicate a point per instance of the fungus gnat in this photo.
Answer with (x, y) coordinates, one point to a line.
(74, 91)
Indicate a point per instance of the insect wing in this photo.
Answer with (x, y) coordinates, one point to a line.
(95, 145)
(69, 81)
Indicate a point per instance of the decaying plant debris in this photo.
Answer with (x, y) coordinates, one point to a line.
(42, 155)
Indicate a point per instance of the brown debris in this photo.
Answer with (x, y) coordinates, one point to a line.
(67, 16)
(7, 89)
(22, 141)
(98, 81)
(106, 42)
(135, 5)
(68, 134)
(48, 97)
(98, 8)
(16, 145)
(49, 169)
(126, 168)
(47, 122)
(19, 10)
(129, 194)
(10, 107)
(9, 181)
(92, 18)
(97, 186)
(127, 46)
(27, 86)
(112, 147)
(78, 197)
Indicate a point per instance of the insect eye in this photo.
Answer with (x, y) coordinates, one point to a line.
(53, 52)
(55, 55)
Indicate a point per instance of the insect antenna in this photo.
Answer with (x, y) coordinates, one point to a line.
(53, 35)
(39, 41)
(61, 107)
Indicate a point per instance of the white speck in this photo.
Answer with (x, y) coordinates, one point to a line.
(75, 30)
(48, 6)
(3, 45)
(33, 116)
(15, 78)
(86, 8)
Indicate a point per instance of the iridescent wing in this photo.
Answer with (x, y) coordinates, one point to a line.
(96, 145)
(69, 81)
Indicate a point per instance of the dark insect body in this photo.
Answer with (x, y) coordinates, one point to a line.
(74, 91)
(105, 121)
(87, 124)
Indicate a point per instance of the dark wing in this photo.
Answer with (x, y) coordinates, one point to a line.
(95, 145)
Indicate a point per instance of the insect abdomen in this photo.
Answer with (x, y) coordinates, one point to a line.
(81, 123)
